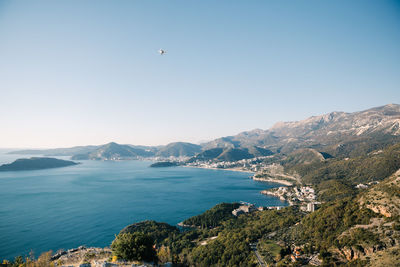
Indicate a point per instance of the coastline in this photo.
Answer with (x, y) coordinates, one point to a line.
(219, 169)
(270, 180)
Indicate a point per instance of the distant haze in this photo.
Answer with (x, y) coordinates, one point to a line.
(88, 72)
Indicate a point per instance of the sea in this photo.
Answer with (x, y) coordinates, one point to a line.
(88, 204)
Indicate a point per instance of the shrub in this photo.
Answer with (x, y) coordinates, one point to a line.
(135, 246)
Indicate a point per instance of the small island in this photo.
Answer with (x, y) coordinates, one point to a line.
(163, 164)
(36, 163)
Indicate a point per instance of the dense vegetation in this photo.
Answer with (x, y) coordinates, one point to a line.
(232, 245)
(226, 245)
(362, 169)
(156, 230)
(359, 146)
(331, 190)
(213, 217)
(322, 227)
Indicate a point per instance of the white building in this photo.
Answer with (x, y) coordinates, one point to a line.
(310, 207)
(361, 186)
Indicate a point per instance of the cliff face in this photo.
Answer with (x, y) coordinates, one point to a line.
(364, 249)
(354, 253)
(384, 198)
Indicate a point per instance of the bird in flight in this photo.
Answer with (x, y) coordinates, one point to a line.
(162, 52)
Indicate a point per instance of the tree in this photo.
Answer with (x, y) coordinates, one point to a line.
(135, 246)
(164, 254)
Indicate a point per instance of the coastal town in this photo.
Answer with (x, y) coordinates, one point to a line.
(293, 192)
(303, 196)
(249, 165)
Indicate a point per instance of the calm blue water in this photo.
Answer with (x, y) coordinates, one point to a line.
(87, 204)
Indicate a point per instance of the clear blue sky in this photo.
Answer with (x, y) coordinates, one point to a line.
(88, 72)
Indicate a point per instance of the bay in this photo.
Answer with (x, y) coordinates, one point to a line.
(89, 203)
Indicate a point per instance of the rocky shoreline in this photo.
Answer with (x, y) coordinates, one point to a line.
(274, 194)
(92, 256)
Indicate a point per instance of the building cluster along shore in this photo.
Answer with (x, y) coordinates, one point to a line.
(246, 165)
(293, 191)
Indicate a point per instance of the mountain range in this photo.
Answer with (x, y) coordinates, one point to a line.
(321, 131)
(336, 134)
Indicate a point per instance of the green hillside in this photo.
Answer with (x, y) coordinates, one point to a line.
(374, 166)
(179, 149)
